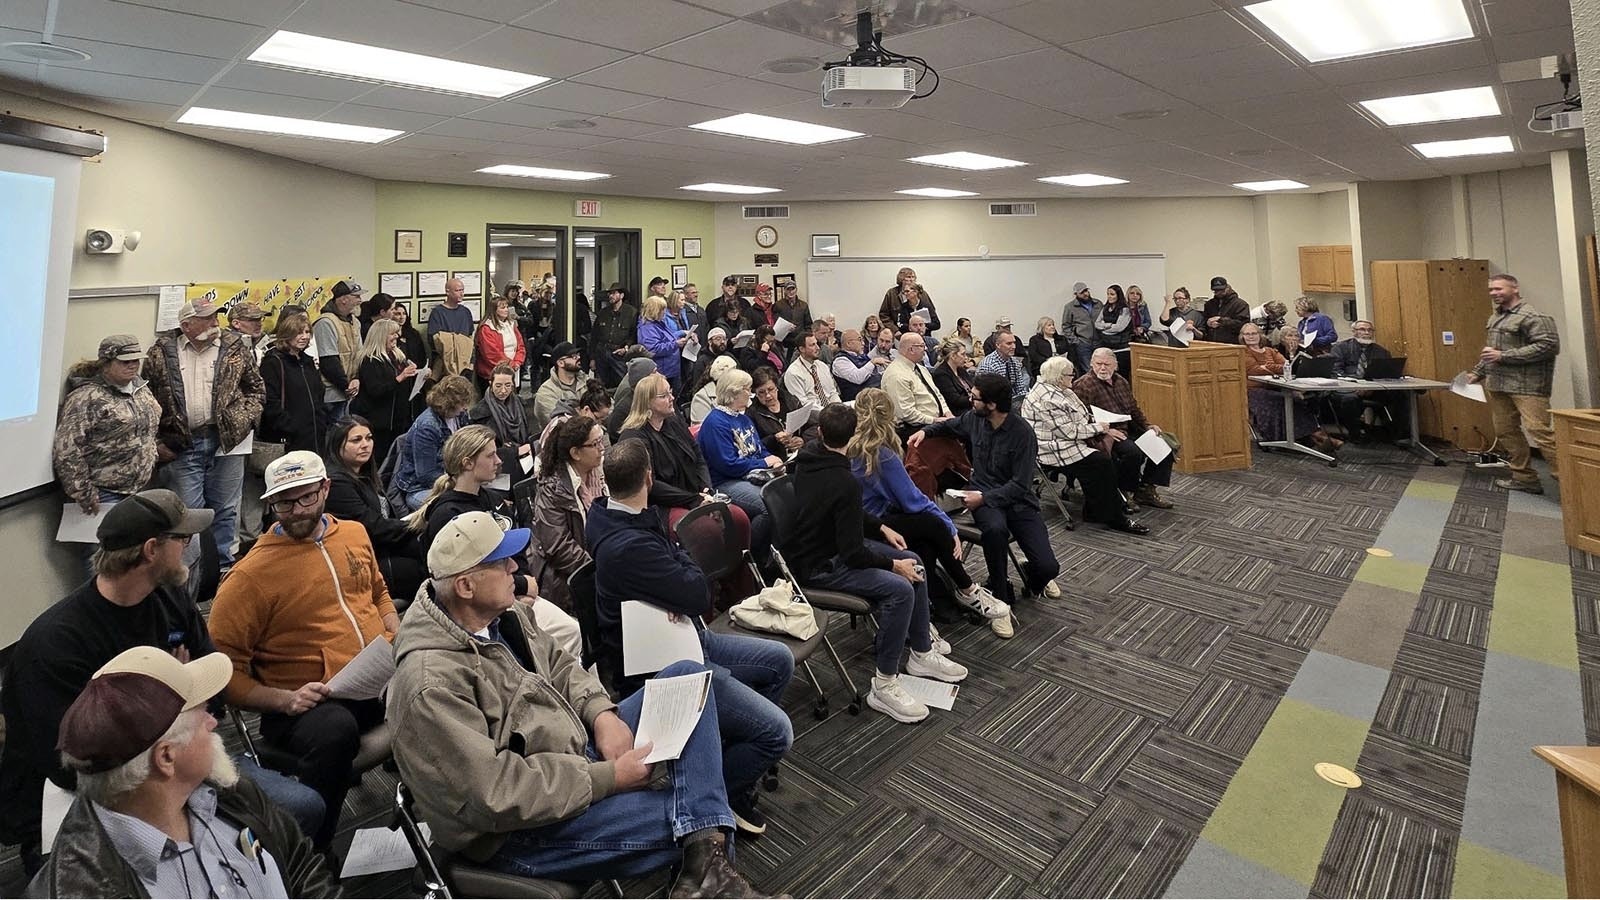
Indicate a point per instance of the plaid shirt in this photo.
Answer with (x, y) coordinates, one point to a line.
(1011, 368)
(1115, 396)
(1061, 423)
(1528, 344)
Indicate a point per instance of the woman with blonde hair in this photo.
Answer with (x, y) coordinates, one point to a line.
(682, 480)
(386, 375)
(735, 456)
(1045, 343)
(705, 397)
(659, 335)
(888, 493)
(292, 412)
(1141, 313)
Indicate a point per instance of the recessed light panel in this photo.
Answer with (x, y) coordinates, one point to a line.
(717, 187)
(771, 128)
(539, 172)
(937, 192)
(1470, 147)
(1083, 179)
(311, 128)
(1320, 30)
(1282, 184)
(364, 62)
(1439, 106)
(961, 159)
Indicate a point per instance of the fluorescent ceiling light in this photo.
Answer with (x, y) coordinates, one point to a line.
(1280, 185)
(1321, 30)
(961, 159)
(364, 62)
(770, 128)
(312, 128)
(1469, 147)
(937, 192)
(1439, 106)
(538, 172)
(1083, 179)
(719, 188)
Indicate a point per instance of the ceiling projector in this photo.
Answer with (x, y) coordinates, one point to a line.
(861, 87)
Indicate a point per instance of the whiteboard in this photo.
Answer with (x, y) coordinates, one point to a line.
(980, 288)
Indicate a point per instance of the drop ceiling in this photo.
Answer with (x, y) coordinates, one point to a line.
(1048, 82)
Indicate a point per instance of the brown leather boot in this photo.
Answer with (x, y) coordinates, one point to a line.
(1146, 496)
(707, 871)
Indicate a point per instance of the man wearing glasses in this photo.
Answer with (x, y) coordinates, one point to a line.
(304, 601)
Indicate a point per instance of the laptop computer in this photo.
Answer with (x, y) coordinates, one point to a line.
(1313, 366)
(1386, 369)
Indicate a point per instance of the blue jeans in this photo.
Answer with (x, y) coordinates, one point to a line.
(415, 499)
(902, 606)
(635, 832)
(747, 497)
(749, 675)
(107, 498)
(302, 803)
(207, 481)
(998, 527)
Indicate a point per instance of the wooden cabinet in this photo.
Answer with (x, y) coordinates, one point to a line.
(1327, 269)
(1578, 450)
(1417, 305)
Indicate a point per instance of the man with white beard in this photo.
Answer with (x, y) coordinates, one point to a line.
(161, 810)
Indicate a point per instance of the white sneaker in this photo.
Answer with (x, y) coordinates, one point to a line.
(1052, 590)
(934, 664)
(940, 645)
(1002, 627)
(984, 603)
(890, 698)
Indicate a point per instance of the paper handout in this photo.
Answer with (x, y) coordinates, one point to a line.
(797, 420)
(742, 339)
(501, 482)
(651, 641)
(691, 351)
(375, 850)
(1459, 386)
(672, 708)
(416, 383)
(77, 526)
(365, 677)
(1182, 330)
(782, 328)
(933, 693)
(526, 462)
(1153, 446)
(242, 448)
(1107, 416)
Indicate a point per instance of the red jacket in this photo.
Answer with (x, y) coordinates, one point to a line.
(490, 350)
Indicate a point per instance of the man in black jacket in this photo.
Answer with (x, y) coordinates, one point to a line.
(616, 326)
(832, 545)
(1225, 313)
(1350, 358)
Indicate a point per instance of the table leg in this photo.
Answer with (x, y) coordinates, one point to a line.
(1415, 445)
(1289, 443)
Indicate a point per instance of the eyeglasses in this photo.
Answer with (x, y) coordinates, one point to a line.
(598, 444)
(304, 501)
(180, 538)
(664, 395)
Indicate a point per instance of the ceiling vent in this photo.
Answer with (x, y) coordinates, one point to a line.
(1014, 209)
(766, 212)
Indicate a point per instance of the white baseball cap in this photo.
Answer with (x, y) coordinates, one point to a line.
(472, 539)
(293, 469)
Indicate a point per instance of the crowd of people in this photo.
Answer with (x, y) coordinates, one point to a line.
(384, 516)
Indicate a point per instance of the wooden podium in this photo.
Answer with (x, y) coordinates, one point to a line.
(1578, 799)
(1578, 460)
(1197, 393)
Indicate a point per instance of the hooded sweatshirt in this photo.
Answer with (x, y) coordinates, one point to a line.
(831, 524)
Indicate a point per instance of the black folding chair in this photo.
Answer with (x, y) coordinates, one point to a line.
(580, 586)
(522, 494)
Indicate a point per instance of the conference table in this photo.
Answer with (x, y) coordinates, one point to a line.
(1288, 387)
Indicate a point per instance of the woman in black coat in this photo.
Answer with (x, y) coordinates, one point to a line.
(386, 379)
(292, 412)
(354, 494)
(1045, 343)
(953, 375)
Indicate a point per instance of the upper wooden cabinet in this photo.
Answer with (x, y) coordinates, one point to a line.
(1327, 269)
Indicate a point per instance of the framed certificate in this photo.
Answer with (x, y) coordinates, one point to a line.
(666, 248)
(680, 276)
(471, 283)
(407, 245)
(396, 284)
(691, 248)
(431, 284)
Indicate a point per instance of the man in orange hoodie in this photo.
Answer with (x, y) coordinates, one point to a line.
(300, 605)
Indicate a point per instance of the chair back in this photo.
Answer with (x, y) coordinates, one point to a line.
(580, 586)
(782, 506)
(522, 494)
(392, 492)
(708, 534)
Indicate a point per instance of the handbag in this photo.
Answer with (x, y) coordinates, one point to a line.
(777, 610)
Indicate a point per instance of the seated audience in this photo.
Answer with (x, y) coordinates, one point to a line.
(354, 495)
(770, 411)
(835, 545)
(953, 375)
(763, 350)
(1071, 441)
(638, 366)
(1003, 362)
(290, 618)
(564, 384)
(919, 327)
(1350, 358)
(1045, 343)
(386, 377)
(1000, 495)
(1315, 324)
(161, 809)
(883, 346)
(734, 316)
(636, 560)
(291, 411)
(827, 341)
(659, 335)
(1266, 404)
(570, 480)
(909, 386)
(1104, 387)
(854, 368)
(963, 336)
(680, 479)
(423, 462)
(705, 397)
(870, 329)
(807, 379)
(888, 494)
(736, 458)
(498, 341)
(502, 411)
(136, 597)
(518, 759)
(1002, 325)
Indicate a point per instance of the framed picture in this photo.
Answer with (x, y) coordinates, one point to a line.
(666, 248)
(396, 284)
(471, 283)
(824, 245)
(778, 281)
(691, 248)
(680, 276)
(407, 245)
(424, 307)
(431, 284)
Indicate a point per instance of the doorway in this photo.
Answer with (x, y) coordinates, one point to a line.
(607, 256)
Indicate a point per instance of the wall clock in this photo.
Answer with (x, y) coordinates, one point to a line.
(766, 236)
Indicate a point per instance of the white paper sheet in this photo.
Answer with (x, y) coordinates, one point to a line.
(416, 383)
(1306, 338)
(924, 315)
(691, 351)
(375, 850)
(797, 420)
(1107, 416)
(936, 694)
(1460, 387)
(955, 494)
(502, 482)
(78, 527)
(742, 339)
(782, 328)
(1182, 330)
(243, 448)
(56, 802)
(526, 462)
(365, 677)
(168, 306)
(1153, 446)
(671, 709)
(651, 641)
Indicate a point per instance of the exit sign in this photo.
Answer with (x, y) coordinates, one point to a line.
(586, 209)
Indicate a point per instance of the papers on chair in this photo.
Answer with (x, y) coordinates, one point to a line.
(742, 339)
(77, 526)
(797, 420)
(782, 328)
(671, 709)
(243, 448)
(375, 850)
(502, 482)
(1181, 330)
(651, 641)
(933, 693)
(416, 383)
(53, 809)
(1153, 446)
(1458, 385)
(365, 677)
(1107, 416)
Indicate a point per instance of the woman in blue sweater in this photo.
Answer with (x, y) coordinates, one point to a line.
(1316, 329)
(888, 493)
(733, 450)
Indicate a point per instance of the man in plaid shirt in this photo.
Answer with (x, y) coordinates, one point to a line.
(1101, 386)
(1516, 367)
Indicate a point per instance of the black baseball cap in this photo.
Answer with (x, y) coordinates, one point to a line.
(1218, 282)
(657, 280)
(346, 287)
(565, 348)
(148, 514)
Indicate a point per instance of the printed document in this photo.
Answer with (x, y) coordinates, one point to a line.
(1153, 446)
(672, 707)
(1107, 416)
(365, 677)
(1459, 386)
(77, 526)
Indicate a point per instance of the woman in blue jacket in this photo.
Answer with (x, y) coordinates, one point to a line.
(733, 449)
(422, 463)
(1316, 329)
(660, 336)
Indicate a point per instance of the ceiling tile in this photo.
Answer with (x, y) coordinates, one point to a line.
(398, 26)
(539, 54)
(1082, 134)
(748, 95)
(739, 48)
(1169, 42)
(1513, 16)
(1532, 44)
(116, 87)
(253, 12)
(503, 11)
(377, 117)
(968, 106)
(656, 77)
(248, 76)
(1066, 21)
(121, 59)
(738, 7)
(265, 104)
(412, 100)
(581, 98)
(670, 112)
(629, 24)
(141, 26)
(1411, 63)
(960, 43)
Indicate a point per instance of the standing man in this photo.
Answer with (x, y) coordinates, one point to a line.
(797, 312)
(692, 316)
(808, 380)
(616, 327)
(1003, 362)
(1077, 323)
(658, 287)
(1516, 367)
(1225, 313)
(450, 333)
(338, 337)
(715, 310)
(245, 320)
(211, 397)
